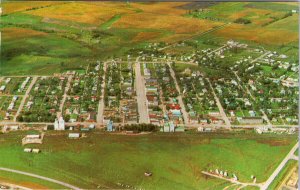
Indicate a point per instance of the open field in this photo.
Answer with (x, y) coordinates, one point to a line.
(40, 52)
(13, 7)
(126, 158)
(112, 28)
(269, 37)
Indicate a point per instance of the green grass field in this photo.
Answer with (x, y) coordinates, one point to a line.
(176, 160)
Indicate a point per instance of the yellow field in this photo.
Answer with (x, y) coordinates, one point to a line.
(162, 8)
(146, 36)
(164, 16)
(90, 13)
(259, 35)
(177, 24)
(14, 33)
(11, 7)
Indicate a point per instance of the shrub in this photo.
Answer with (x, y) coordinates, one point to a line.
(242, 21)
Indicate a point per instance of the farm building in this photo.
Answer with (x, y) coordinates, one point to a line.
(74, 135)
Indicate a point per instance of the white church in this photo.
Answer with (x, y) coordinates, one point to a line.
(59, 124)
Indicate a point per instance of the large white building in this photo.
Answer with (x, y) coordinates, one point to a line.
(59, 124)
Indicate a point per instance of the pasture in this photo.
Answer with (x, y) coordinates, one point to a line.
(176, 160)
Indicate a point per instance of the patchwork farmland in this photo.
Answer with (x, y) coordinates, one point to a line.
(148, 95)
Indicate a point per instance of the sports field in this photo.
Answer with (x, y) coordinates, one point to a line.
(176, 160)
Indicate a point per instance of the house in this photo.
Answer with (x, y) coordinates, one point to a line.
(214, 114)
(92, 116)
(169, 127)
(92, 126)
(289, 82)
(27, 149)
(14, 127)
(33, 136)
(35, 150)
(74, 135)
(2, 88)
(175, 112)
(151, 90)
(251, 120)
(152, 100)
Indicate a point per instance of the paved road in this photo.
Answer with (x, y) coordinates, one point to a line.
(222, 112)
(61, 106)
(289, 156)
(34, 79)
(101, 101)
(41, 177)
(141, 94)
(180, 101)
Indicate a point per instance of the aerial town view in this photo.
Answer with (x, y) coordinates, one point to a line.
(149, 95)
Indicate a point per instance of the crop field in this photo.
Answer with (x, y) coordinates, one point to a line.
(115, 27)
(130, 156)
(12, 7)
(269, 37)
(179, 25)
(40, 52)
(94, 14)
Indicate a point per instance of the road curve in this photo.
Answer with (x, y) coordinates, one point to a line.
(40, 177)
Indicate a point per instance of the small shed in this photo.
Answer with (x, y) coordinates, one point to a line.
(27, 149)
(74, 135)
(35, 150)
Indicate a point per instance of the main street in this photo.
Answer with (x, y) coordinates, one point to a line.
(101, 101)
(141, 94)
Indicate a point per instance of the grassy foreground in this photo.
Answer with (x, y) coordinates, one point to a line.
(176, 160)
